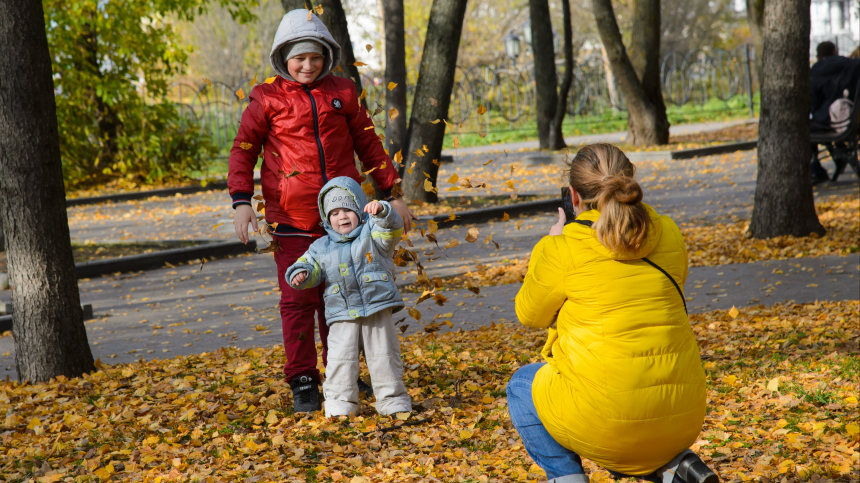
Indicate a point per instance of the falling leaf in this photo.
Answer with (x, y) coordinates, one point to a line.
(293, 173)
(419, 153)
(481, 109)
(393, 113)
(456, 142)
(253, 81)
(318, 9)
(733, 312)
(472, 235)
(398, 157)
(510, 184)
(368, 128)
(371, 170)
(359, 64)
(433, 101)
(369, 257)
(409, 170)
(428, 186)
(432, 226)
(505, 216)
(482, 134)
(363, 94)
(436, 162)
(414, 313)
(452, 244)
(240, 94)
(391, 86)
(246, 146)
(488, 162)
(368, 47)
(269, 80)
(310, 13)
(436, 121)
(215, 227)
(453, 179)
(338, 69)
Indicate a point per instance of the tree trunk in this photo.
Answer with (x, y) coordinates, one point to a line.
(334, 19)
(433, 96)
(556, 136)
(395, 71)
(755, 16)
(784, 203)
(546, 81)
(647, 124)
(47, 321)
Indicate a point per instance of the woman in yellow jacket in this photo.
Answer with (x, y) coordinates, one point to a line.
(622, 384)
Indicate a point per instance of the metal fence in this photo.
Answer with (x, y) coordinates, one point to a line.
(694, 80)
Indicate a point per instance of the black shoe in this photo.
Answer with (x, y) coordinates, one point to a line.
(365, 388)
(694, 470)
(306, 394)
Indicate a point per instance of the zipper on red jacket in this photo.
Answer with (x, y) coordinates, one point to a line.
(317, 133)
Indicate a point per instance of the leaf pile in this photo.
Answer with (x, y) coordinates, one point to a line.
(225, 416)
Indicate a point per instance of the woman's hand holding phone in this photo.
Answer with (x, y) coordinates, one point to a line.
(558, 227)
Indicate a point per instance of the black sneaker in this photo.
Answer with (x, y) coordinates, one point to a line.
(364, 387)
(694, 470)
(306, 394)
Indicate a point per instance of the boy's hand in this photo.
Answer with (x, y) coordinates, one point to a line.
(298, 279)
(405, 213)
(373, 207)
(243, 215)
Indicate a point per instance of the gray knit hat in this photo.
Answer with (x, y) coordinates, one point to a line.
(339, 198)
(303, 46)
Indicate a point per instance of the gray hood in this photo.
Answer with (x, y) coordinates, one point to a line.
(296, 26)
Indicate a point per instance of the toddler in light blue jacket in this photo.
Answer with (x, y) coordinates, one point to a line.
(354, 261)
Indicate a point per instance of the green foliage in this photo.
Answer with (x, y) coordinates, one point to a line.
(112, 63)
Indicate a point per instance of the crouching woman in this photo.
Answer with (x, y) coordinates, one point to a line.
(622, 384)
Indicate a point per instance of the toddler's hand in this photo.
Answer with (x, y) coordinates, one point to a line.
(298, 279)
(373, 207)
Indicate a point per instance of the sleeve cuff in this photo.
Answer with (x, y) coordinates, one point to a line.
(241, 199)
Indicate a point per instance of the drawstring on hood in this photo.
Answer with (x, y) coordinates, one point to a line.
(295, 26)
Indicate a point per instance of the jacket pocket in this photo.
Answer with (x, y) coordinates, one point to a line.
(377, 287)
(333, 299)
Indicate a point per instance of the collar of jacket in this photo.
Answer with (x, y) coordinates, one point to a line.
(294, 84)
(587, 235)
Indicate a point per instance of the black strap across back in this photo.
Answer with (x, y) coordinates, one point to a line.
(649, 262)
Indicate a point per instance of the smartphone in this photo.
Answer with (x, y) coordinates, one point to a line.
(567, 205)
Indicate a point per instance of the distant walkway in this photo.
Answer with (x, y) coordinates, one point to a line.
(613, 137)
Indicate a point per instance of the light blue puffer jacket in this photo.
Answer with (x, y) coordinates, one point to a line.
(357, 268)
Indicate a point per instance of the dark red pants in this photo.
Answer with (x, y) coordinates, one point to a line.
(297, 313)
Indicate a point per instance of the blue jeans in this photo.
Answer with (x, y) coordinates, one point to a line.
(555, 459)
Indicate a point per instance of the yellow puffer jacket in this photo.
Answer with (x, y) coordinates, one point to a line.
(624, 385)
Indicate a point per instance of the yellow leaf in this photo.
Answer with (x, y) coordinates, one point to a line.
(359, 64)
(730, 379)
(487, 399)
(391, 86)
(428, 186)
(466, 434)
(505, 217)
(398, 157)
(850, 400)
(368, 47)
(472, 235)
(414, 313)
(363, 94)
(240, 94)
(272, 418)
(510, 184)
(319, 10)
(488, 162)
(453, 179)
(253, 81)
(456, 142)
(393, 113)
(432, 226)
(409, 169)
(437, 121)
(773, 385)
(481, 109)
(269, 80)
(246, 146)
(852, 429)
(403, 416)
(733, 312)
(369, 257)
(278, 440)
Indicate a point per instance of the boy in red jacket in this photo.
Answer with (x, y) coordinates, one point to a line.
(310, 123)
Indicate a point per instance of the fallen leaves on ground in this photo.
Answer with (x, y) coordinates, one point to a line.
(225, 416)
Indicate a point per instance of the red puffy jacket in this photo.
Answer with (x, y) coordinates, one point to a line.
(313, 129)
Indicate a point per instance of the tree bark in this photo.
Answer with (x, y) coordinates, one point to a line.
(784, 202)
(395, 71)
(546, 80)
(647, 124)
(556, 136)
(755, 17)
(433, 96)
(334, 19)
(47, 321)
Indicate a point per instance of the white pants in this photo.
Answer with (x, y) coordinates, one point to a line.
(382, 353)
